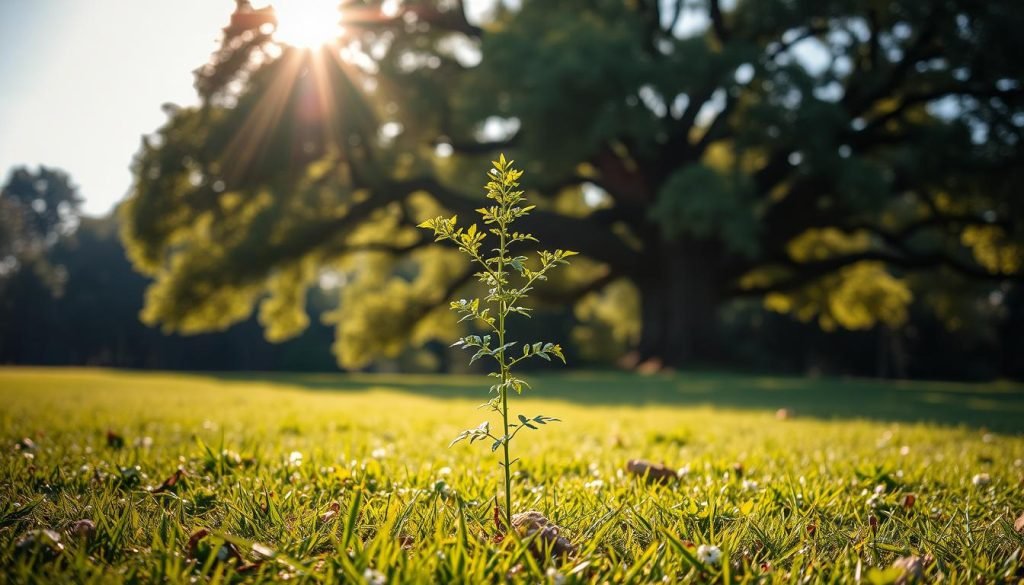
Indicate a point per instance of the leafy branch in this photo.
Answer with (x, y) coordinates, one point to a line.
(503, 299)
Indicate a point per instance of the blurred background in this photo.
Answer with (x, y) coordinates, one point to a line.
(822, 187)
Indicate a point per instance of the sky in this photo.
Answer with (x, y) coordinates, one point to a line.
(82, 81)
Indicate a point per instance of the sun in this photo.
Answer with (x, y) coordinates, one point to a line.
(307, 23)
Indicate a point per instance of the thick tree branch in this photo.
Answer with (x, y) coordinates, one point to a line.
(677, 13)
(806, 273)
(925, 96)
(718, 21)
(860, 94)
(620, 177)
(718, 129)
(815, 29)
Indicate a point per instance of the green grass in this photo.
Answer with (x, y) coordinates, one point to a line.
(416, 511)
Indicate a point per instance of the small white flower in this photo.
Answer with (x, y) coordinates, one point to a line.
(295, 458)
(379, 453)
(905, 450)
(683, 471)
(374, 577)
(262, 550)
(594, 485)
(555, 577)
(749, 485)
(709, 555)
(444, 471)
(981, 479)
(874, 501)
(880, 489)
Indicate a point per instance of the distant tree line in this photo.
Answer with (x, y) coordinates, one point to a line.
(69, 296)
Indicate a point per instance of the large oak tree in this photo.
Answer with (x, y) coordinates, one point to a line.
(838, 159)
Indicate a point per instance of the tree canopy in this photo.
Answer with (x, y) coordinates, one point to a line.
(838, 160)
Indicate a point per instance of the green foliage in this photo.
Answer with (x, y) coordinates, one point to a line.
(702, 201)
(718, 133)
(310, 477)
(497, 273)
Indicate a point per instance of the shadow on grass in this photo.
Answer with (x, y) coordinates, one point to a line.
(995, 406)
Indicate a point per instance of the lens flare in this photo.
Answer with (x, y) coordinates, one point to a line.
(307, 23)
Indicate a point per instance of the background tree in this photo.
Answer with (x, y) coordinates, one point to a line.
(95, 319)
(38, 210)
(838, 160)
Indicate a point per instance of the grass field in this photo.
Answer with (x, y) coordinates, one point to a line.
(322, 478)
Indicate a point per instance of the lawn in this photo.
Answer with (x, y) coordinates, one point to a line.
(325, 478)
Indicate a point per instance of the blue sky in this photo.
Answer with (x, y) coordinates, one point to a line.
(82, 81)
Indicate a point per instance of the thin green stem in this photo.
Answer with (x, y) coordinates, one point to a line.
(502, 310)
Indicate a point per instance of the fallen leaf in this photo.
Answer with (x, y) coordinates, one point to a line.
(497, 519)
(331, 513)
(114, 440)
(548, 535)
(82, 529)
(169, 483)
(193, 542)
(200, 552)
(1019, 524)
(652, 472)
(25, 444)
(46, 543)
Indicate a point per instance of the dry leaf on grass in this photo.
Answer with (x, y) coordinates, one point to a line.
(46, 543)
(114, 440)
(170, 483)
(652, 472)
(548, 534)
(331, 513)
(82, 529)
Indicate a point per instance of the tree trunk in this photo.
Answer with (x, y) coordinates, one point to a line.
(681, 290)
